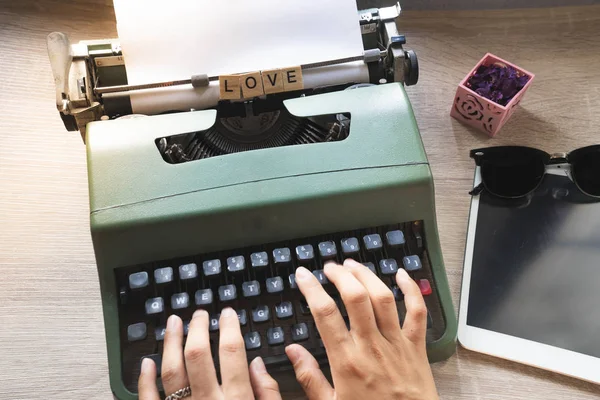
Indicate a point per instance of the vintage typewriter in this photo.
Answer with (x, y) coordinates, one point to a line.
(217, 207)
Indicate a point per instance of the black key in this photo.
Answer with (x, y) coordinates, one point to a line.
(259, 260)
(412, 263)
(304, 308)
(320, 275)
(299, 332)
(204, 297)
(163, 275)
(275, 285)
(371, 266)
(327, 249)
(186, 327)
(159, 333)
(398, 295)
(214, 322)
(227, 292)
(251, 289)
(261, 314)
(155, 305)
(275, 336)
(292, 279)
(282, 255)
(188, 271)
(180, 300)
(305, 253)
(350, 246)
(372, 242)
(211, 267)
(157, 358)
(236, 264)
(136, 332)
(395, 238)
(284, 310)
(252, 340)
(138, 280)
(429, 320)
(388, 266)
(243, 317)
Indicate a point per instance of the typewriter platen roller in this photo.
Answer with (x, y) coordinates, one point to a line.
(339, 164)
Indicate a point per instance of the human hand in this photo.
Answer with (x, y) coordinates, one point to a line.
(375, 359)
(194, 366)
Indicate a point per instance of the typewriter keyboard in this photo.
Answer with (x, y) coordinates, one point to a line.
(258, 282)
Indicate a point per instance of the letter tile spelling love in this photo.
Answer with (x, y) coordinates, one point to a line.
(254, 84)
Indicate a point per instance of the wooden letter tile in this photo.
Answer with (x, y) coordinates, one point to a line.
(252, 85)
(272, 81)
(229, 87)
(292, 78)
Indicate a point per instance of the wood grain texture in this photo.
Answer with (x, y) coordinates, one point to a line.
(51, 328)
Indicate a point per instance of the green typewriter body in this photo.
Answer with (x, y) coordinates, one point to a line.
(149, 215)
(218, 207)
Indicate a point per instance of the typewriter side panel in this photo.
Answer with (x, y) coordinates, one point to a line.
(261, 212)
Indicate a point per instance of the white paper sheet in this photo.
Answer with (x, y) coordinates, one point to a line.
(167, 40)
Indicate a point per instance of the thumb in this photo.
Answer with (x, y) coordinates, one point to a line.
(147, 389)
(263, 384)
(309, 374)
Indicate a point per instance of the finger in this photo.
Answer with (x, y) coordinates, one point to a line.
(330, 323)
(415, 323)
(147, 389)
(173, 374)
(308, 373)
(355, 297)
(382, 299)
(232, 353)
(198, 358)
(263, 384)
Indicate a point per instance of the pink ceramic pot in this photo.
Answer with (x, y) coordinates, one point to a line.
(485, 115)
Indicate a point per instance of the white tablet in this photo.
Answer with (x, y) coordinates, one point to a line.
(531, 281)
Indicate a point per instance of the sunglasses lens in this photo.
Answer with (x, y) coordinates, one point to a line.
(514, 173)
(586, 173)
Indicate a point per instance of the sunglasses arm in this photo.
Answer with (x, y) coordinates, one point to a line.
(477, 190)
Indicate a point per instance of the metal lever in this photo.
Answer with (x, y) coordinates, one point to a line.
(59, 51)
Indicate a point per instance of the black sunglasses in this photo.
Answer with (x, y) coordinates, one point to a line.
(515, 171)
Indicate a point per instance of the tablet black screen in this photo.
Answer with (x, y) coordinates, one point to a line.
(536, 267)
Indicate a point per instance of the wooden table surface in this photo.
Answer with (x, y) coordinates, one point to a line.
(51, 330)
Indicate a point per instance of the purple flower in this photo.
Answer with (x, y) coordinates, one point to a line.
(497, 82)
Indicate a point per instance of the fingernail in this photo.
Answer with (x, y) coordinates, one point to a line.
(350, 263)
(198, 313)
(329, 265)
(228, 312)
(172, 322)
(292, 353)
(302, 273)
(259, 365)
(402, 275)
(146, 365)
